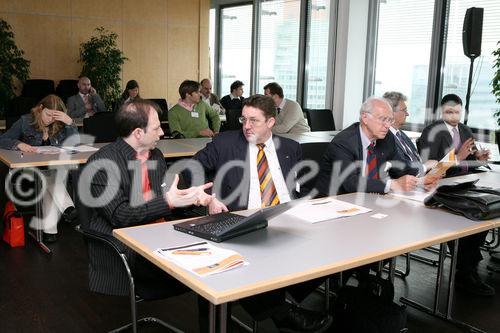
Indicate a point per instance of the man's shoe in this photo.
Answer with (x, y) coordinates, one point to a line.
(471, 282)
(300, 320)
(49, 238)
(70, 215)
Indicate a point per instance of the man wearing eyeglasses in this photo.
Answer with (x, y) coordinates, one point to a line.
(404, 145)
(255, 165)
(363, 158)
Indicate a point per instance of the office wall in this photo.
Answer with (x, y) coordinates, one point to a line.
(166, 41)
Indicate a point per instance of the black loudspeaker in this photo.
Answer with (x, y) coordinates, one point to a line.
(473, 32)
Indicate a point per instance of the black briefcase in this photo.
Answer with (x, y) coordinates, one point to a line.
(474, 202)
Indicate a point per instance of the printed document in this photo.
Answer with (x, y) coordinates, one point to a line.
(325, 209)
(202, 258)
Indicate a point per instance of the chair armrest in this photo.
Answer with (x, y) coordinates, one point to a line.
(106, 239)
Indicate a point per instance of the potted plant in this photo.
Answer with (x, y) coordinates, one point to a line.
(12, 65)
(495, 83)
(102, 63)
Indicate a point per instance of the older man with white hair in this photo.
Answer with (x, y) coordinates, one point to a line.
(363, 156)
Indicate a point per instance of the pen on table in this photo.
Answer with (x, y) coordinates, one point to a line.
(195, 250)
(183, 247)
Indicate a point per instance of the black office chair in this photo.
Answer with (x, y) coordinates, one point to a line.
(162, 103)
(38, 89)
(17, 107)
(66, 89)
(116, 250)
(320, 120)
(101, 126)
(232, 120)
(312, 151)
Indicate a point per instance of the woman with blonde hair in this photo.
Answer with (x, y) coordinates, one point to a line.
(48, 124)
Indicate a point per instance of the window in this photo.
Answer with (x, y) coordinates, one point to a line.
(279, 45)
(317, 54)
(235, 48)
(403, 52)
(456, 71)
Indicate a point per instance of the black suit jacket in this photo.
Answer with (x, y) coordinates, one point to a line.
(123, 209)
(436, 141)
(232, 146)
(232, 104)
(344, 157)
(415, 163)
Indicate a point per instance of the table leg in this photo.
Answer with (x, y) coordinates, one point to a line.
(435, 310)
(38, 235)
(220, 312)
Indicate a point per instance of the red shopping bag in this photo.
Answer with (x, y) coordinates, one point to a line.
(14, 226)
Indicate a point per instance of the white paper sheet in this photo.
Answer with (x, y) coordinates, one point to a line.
(325, 209)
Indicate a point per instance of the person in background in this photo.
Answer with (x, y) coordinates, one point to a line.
(190, 117)
(130, 93)
(404, 145)
(290, 117)
(442, 136)
(210, 98)
(234, 101)
(48, 124)
(86, 102)
(437, 140)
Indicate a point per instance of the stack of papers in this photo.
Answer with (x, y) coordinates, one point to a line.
(202, 259)
(325, 209)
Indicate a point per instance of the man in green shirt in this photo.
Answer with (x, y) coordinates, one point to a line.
(191, 117)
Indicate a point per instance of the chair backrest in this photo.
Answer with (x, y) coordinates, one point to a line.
(16, 108)
(38, 89)
(232, 119)
(313, 151)
(66, 89)
(102, 126)
(320, 119)
(162, 103)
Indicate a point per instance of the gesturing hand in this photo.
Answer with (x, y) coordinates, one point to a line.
(192, 196)
(216, 206)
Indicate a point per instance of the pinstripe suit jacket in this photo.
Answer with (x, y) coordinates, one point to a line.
(123, 209)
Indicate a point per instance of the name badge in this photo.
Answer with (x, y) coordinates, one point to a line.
(195, 115)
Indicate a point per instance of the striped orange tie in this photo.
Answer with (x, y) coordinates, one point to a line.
(268, 194)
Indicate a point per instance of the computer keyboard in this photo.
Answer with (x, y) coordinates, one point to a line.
(224, 222)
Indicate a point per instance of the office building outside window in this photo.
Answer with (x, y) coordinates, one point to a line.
(317, 54)
(456, 69)
(403, 52)
(235, 48)
(279, 45)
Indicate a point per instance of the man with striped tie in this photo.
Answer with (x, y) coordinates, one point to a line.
(404, 145)
(363, 158)
(252, 168)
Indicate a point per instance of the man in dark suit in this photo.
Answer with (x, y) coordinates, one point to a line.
(253, 166)
(447, 134)
(404, 145)
(86, 103)
(437, 140)
(126, 186)
(363, 158)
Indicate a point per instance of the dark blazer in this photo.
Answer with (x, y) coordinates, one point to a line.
(345, 155)
(416, 162)
(124, 209)
(436, 141)
(76, 106)
(233, 146)
(231, 104)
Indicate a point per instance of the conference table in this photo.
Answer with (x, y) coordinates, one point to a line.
(291, 250)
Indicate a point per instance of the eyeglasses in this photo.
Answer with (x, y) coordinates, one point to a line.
(384, 120)
(252, 121)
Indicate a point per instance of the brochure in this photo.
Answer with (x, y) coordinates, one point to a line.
(325, 209)
(203, 259)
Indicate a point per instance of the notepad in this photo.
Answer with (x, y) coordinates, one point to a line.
(202, 259)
